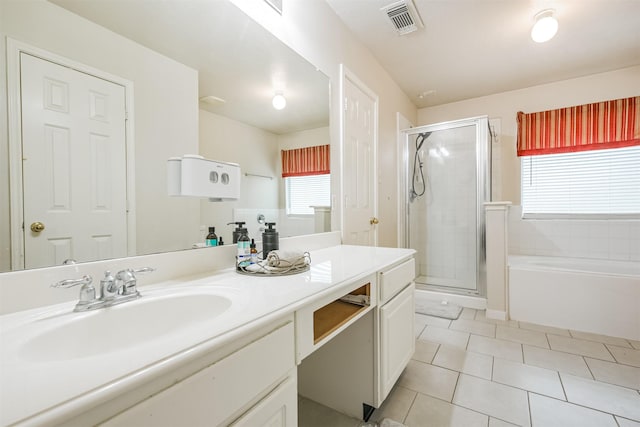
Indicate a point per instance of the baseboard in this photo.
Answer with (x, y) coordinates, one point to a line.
(496, 314)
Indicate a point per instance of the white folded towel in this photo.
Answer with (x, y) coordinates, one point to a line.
(288, 258)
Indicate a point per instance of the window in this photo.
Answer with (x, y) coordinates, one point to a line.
(305, 191)
(597, 182)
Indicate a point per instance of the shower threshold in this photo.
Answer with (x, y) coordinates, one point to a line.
(422, 283)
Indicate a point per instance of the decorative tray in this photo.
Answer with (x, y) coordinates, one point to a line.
(264, 273)
(273, 266)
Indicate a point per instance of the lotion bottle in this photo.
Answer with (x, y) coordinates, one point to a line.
(244, 254)
(212, 239)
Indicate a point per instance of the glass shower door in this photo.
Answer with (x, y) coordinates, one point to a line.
(444, 205)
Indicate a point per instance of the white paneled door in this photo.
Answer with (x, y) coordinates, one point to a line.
(360, 115)
(74, 164)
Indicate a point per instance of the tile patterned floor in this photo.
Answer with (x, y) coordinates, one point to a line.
(478, 371)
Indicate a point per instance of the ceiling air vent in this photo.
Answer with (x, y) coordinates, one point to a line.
(403, 16)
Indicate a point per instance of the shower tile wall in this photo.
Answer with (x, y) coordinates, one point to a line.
(601, 239)
(443, 220)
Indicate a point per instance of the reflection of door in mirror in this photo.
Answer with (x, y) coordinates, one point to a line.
(74, 165)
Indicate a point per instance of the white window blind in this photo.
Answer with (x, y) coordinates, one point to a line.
(305, 191)
(601, 182)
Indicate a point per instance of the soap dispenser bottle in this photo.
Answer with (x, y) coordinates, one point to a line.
(244, 253)
(240, 229)
(269, 240)
(212, 239)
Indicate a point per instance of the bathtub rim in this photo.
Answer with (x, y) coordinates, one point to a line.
(523, 262)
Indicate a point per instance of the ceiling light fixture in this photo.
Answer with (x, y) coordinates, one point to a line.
(546, 26)
(279, 101)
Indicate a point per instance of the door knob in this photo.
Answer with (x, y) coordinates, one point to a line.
(373, 221)
(37, 227)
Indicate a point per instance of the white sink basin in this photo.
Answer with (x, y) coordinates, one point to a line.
(125, 326)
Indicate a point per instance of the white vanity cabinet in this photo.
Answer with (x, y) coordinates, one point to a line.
(355, 371)
(253, 386)
(395, 324)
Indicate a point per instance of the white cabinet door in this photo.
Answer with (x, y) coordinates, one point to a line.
(397, 340)
(278, 409)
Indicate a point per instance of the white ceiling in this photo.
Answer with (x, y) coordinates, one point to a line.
(237, 59)
(472, 48)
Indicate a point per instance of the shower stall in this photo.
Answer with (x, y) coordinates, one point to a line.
(447, 180)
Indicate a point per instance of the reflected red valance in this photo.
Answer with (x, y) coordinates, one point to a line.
(609, 124)
(306, 161)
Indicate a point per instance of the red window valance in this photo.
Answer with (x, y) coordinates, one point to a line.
(609, 124)
(306, 161)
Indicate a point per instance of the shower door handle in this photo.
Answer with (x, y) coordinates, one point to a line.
(373, 221)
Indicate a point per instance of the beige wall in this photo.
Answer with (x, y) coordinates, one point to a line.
(312, 29)
(598, 87)
(165, 113)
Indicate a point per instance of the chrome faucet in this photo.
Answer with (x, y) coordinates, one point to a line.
(113, 290)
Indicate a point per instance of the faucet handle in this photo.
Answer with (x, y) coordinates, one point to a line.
(69, 283)
(144, 270)
(129, 281)
(87, 292)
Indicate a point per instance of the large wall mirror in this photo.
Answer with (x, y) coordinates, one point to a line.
(195, 77)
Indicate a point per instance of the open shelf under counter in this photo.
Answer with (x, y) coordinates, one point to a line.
(318, 323)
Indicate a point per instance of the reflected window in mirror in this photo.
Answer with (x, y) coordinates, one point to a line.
(303, 192)
(306, 172)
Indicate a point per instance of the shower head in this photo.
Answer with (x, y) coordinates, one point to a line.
(421, 137)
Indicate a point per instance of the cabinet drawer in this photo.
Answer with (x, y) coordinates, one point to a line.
(225, 389)
(395, 279)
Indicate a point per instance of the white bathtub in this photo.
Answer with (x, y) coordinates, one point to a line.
(599, 296)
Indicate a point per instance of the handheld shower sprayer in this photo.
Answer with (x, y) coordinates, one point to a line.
(417, 161)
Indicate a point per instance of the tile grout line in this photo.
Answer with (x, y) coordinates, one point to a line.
(477, 411)
(455, 389)
(404, 419)
(582, 406)
(546, 336)
(454, 404)
(609, 351)
(562, 385)
(439, 345)
(493, 364)
(583, 355)
(529, 407)
(584, 359)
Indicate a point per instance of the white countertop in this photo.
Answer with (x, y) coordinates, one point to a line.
(48, 387)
